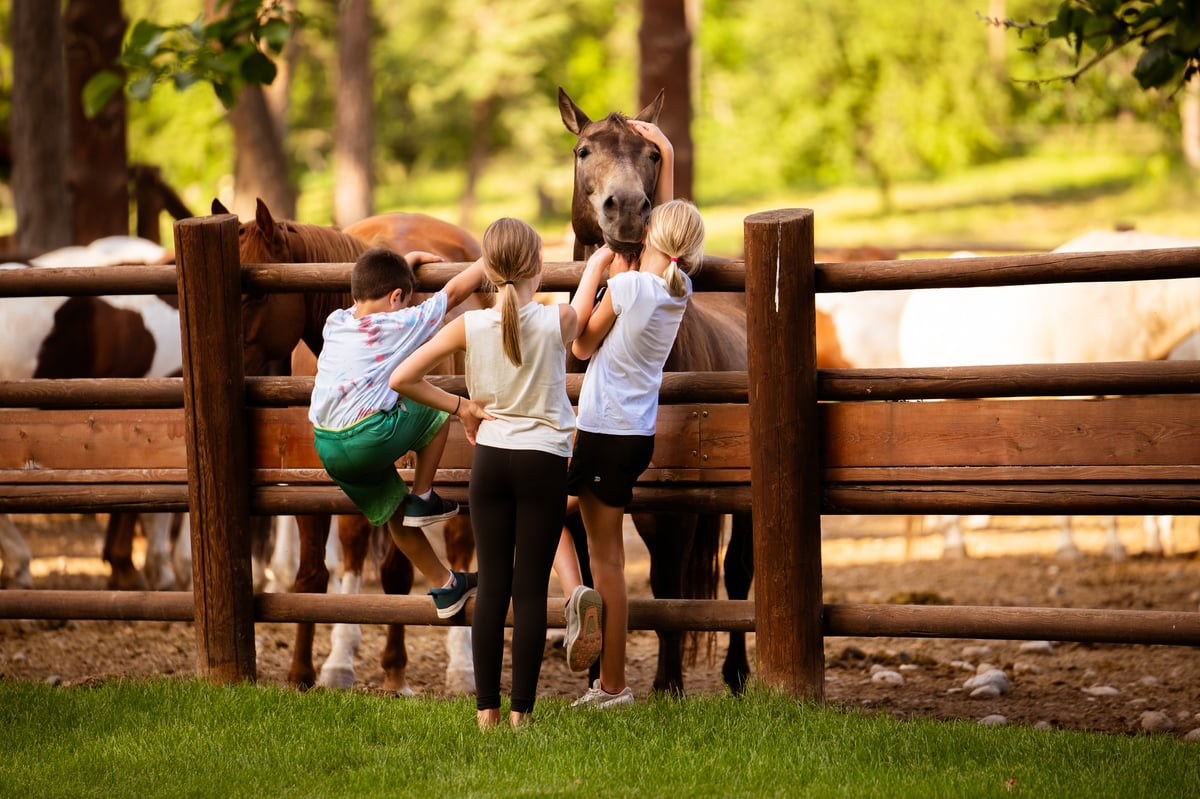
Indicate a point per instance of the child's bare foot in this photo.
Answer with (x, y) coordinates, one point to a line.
(518, 719)
(488, 718)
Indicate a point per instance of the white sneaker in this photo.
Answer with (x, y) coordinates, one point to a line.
(599, 698)
(585, 628)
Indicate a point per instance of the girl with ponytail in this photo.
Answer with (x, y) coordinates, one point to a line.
(627, 339)
(521, 421)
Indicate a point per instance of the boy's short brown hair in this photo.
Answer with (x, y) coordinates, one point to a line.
(378, 272)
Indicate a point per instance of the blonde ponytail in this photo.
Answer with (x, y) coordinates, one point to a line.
(676, 229)
(510, 254)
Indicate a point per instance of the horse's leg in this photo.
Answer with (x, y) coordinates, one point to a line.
(1066, 549)
(312, 577)
(1159, 535)
(16, 556)
(669, 539)
(955, 544)
(280, 573)
(118, 553)
(261, 532)
(1112, 542)
(739, 572)
(460, 550)
(160, 573)
(338, 671)
(181, 550)
(396, 577)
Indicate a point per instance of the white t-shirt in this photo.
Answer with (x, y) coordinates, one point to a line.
(358, 358)
(620, 388)
(529, 401)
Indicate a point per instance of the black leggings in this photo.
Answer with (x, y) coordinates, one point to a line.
(518, 500)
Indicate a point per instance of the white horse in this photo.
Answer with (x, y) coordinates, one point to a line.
(42, 337)
(1056, 323)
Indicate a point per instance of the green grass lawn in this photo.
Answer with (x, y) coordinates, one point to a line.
(185, 738)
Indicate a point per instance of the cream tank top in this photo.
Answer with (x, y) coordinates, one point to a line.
(529, 401)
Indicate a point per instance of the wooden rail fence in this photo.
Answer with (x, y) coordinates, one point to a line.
(785, 440)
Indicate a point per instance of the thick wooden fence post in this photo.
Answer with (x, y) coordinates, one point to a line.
(785, 469)
(209, 274)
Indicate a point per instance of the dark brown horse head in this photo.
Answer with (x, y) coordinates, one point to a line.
(615, 173)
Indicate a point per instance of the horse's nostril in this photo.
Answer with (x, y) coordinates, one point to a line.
(610, 203)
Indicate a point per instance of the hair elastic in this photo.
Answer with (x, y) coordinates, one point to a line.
(675, 260)
(457, 405)
(507, 283)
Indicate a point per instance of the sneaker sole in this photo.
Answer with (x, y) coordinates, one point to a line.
(583, 651)
(425, 521)
(446, 613)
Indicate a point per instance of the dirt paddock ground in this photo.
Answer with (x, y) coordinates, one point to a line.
(1127, 689)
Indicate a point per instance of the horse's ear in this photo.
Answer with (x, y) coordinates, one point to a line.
(218, 207)
(572, 116)
(262, 215)
(650, 113)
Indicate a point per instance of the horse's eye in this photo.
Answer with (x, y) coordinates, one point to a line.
(655, 156)
(582, 152)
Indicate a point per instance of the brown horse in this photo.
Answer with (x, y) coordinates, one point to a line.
(615, 172)
(274, 326)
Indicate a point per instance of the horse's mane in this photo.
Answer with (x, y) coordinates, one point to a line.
(325, 244)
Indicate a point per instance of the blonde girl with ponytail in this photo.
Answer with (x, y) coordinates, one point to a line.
(521, 422)
(627, 339)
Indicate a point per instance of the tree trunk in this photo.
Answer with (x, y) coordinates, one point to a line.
(259, 164)
(97, 172)
(477, 156)
(39, 128)
(260, 168)
(354, 120)
(665, 44)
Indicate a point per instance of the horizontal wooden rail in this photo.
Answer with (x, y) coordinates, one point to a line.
(1010, 270)
(717, 274)
(1149, 627)
(950, 382)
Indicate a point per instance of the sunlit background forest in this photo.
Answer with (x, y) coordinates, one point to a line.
(915, 126)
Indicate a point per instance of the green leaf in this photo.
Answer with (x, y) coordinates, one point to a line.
(142, 34)
(99, 90)
(258, 69)
(276, 33)
(224, 93)
(140, 88)
(1156, 65)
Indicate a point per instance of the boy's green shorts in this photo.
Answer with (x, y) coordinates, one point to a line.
(362, 458)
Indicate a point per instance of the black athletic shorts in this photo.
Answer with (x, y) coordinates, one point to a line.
(608, 465)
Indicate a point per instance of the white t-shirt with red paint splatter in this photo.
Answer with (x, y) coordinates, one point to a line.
(359, 356)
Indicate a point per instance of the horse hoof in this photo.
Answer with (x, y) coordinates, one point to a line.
(337, 678)
(1069, 553)
(21, 579)
(126, 581)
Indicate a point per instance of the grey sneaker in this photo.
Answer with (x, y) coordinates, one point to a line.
(585, 628)
(424, 512)
(450, 601)
(597, 697)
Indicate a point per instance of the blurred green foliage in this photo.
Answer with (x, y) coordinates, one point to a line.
(791, 95)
